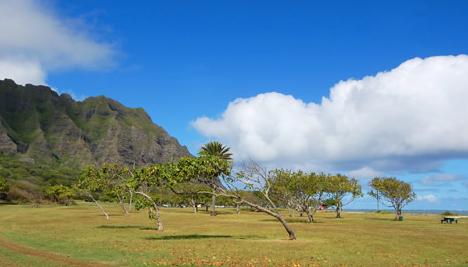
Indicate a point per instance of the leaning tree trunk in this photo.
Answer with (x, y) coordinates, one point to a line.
(289, 230)
(292, 235)
(153, 212)
(122, 204)
(194, 205)
(100, 207)
(213, 205)
(310, 216)
(237, 208)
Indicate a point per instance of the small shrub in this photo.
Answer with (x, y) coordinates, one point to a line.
(60, 194)
(25, 192)
(448, 213)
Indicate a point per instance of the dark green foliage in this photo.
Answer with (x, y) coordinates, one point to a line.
(4, 188)
(216, 149)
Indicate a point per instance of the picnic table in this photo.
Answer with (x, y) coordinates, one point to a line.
(452, 219)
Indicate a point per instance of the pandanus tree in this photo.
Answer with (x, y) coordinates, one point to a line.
(215, 149)
(397, 194)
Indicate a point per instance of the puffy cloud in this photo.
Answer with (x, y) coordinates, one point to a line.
(22, 71)
(409, 118)
(441, 178)
(428, 198)
(35, 40)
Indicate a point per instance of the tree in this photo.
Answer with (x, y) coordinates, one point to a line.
(338, 187)
(252, 176)
(190, 193)
(92, 182)
(4, 188)
(216, 149)
(300, 191)
(396, 193)
(115, 179)
(221, 151)
(60, 194)
(375, 193)
(146, 181)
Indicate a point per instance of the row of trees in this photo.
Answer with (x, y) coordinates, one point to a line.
(210, 175)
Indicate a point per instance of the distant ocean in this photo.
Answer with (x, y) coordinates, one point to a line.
(460, 212)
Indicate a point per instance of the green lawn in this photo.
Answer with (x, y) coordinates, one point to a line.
(52, 235)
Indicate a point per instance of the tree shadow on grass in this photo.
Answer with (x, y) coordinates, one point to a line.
(126, 227)
(198, 236)
(288, 220)
(380, 219)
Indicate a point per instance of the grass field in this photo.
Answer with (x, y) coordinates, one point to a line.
(80, 236)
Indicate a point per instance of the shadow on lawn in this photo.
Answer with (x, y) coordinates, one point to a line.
(197, 236)
(291, 220)
(389, 219)
(126, 227)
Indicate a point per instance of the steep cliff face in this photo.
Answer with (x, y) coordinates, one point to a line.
(38, 124)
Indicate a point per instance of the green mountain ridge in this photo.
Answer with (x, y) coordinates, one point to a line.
(39, 126)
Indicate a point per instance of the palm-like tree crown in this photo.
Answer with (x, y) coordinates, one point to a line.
(216, 149)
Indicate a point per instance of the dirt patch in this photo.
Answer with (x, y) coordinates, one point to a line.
(56, 258)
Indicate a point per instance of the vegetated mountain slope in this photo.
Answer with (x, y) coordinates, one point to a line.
(39, 126)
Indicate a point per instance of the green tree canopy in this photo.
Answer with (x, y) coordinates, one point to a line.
(396, 193)
(299, 190)
(338, 187)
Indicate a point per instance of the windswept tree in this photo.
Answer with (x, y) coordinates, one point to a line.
(396, 193)
(215, 149)
(91, 182)
(300, 191)
(191, 193)
(148, 180)
(110, 180)
(339, 187)
(251, 176)
(115, 179)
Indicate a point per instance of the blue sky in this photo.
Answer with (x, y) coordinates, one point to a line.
(182, 60)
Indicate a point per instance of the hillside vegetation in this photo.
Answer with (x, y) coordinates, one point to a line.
(47, 137)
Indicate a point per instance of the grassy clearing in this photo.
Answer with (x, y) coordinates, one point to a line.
(250, 239)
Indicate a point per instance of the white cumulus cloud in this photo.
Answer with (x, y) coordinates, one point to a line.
(428, 198)
(409, 118)
(22, 71)
(34, 40)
